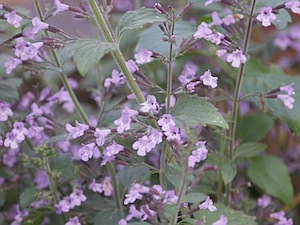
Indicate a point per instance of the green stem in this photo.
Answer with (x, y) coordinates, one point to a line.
(80, 110)
(181, 195)
(220, 179)
(238, 88)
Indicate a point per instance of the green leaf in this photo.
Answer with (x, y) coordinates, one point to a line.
(249, 149)
(228, 171)
(2, 198)
(108, 216)
(282, 19)
(127, 176)
(132, 20)
(191, 110)
(254, 127)
(170, 210)
(9, 89)
(263, 82)
(271, 175)
(188, 221)
(182, 30)
(63, 165)
(139, 223)
(194, 197)
(172, 173)
(28, 196)
(88, 52)
(234, 217)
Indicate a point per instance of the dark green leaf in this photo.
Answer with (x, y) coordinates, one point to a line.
(254, 127)
(234, 217)
(28, 196)
(88, 52)
(188, 221)
(282, 19)
(9, 89)
(2, 198)
(182, 30)
(64, 166)
(137, 19)
(191, 110)
(228, 171)
(194, 197)
(249, 149)
(109, 216)
(172, 173)
(127, 176)
(271, 175)
(256, 81)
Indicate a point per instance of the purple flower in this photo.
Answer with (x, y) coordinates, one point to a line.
(117, 79)
(188, 73)
(11, 64)
(170, 198)
(203, 31)
(60, 7)
(131, 65)
(11, 141)
(38, 25)
(198, 155)
(222, 221)
(13, 19)
(73, 221)
(211, 1)
(208, 80)
(110, 152)
(150, 105)
(282, 220)
(20, 131)
(221, 52)
(282, 41)
(107, 186)
(263, 201)
(124, 121)
(95, 187)
(236, 58)
(76, 131)
(216, 19)
(100, 135)
(294, 5)
(122, 222)
(41, 179)
(87, 151)
(173, 134)
(229, 19)
(77, 197)
(266, 16)
(65, 205)
(10, 157)
(208, 204)
(135, 192)
(26, 50)
(5, 111)
(215, 37)
(192, 86)
(287, 100)
(143, 56)
(289, 89)
(142, 146)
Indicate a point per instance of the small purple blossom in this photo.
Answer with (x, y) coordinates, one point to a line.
(150, 105)
(208, 2)
(198, 155)
(294, 5)
(125, 120)
(11, 64)
(26, 50)
(73, 221)
(11, 140)
(135, 192)
(77, 197)
(222, 221)
(76, 131)
(188, 73)
(289, 89)
(131, 65)
(263, 201)
(173, 134)
(95, 187)
(13, 19)
(266, 16)
(282, 41)
(117, 79)
(38, 25)
(282, 220)
(203, 31)
(166, 121)
(10, 157)
(287, 100)
(60, 7)
(20, 131)
(100, 135)
(5, 111)
(236, 58)
(110, 152)
(209, 80)
(41, 179)
(143, 56)
(87, 151)
(229, 19)
(107, 187)
(216, 19)
(208, 204)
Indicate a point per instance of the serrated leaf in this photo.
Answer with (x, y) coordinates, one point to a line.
(88, 52)
(249, 149)
(228, 171)
(282, 19)
(234, 217)
(137, 19)
(183, 30)
(271, 175)
(191, 110)
(9, 89)
(194, 197)
(263, 82)
(27, 197)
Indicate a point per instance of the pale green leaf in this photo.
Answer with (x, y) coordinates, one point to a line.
(88, 52)
(9, 89)
(137, 19)
(228, 171)
(191, 110)
(194, 197)
(249, 149)
(28, 196)
(271, 175)
(282, 19)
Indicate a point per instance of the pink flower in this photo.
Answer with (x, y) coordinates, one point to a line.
(236, 58)
(294, 5)
(198, 155)
(289, 89)
(188, 73)
(208, 80)
(143, 56)
(266, 16)
(13, 19)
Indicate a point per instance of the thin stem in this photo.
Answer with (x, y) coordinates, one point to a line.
(238, 88)
(220, 179)
(80, 110)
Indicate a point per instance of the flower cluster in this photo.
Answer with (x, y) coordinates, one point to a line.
(70, 202)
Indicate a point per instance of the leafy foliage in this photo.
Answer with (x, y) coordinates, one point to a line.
(9, 89)
(249, 149)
